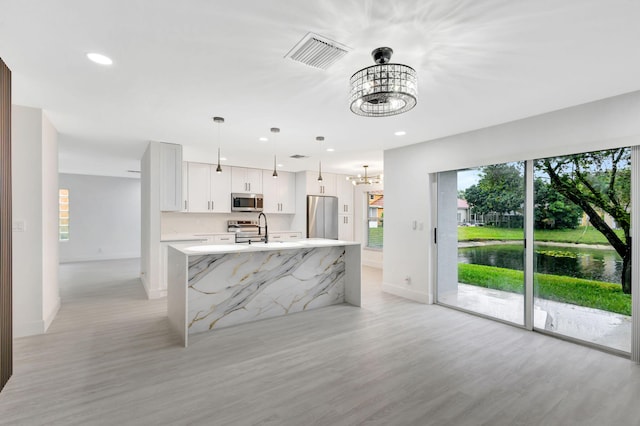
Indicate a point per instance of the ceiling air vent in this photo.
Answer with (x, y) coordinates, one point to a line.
(317, 51)
(299, 156)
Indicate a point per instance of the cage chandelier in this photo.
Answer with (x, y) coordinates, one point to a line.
(383, 89)
(366, 179)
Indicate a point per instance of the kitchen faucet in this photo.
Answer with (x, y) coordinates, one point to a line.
(266, 229)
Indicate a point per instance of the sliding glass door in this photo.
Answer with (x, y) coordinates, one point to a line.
(578, 264)
(481, 240)
(582, 281)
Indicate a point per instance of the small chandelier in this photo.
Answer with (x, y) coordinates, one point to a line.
(383, 89)
(219, 121)
(366, 179)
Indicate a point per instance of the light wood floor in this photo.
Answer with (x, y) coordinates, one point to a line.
(109, 358)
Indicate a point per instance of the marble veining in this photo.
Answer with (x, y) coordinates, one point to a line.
(232, 288)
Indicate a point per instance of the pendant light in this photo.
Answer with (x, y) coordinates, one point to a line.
(275, 131)
(219, 121)
(320, 139)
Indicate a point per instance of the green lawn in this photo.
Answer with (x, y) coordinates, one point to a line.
(575, 291)
(375, 237)
(579, 235)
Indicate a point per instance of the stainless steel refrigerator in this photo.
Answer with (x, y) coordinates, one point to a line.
(322, 217)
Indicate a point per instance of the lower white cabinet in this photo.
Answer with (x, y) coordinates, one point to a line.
(345, 227)
(284, 236)
(222, 239)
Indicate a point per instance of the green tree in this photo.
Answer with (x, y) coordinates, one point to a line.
(598, 182)
(499, 190)
(553, 210)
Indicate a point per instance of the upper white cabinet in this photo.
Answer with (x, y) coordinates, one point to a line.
(345, 195)
(185, 186)
(279, 193)
(208, 191)
(326, 187)
(170, 177)
(198, 187)
(221, 190)
(246, 180)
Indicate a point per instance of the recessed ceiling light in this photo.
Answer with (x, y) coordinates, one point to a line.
(280, 165)
(99, 59)
(223, 158)
(400, 133)
(263, 139)
(330, 149)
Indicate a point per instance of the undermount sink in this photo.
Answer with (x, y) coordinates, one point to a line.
(216, 248)
(322, 242)
(278, 244)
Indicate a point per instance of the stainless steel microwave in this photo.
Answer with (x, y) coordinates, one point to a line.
(246, 202)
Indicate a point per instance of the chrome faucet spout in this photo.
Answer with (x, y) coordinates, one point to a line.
(266, 228)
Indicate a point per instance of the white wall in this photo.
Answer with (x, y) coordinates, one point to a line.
(50, 253)
(150, 222)
(34, 159)
(608, 123)
(104, 218)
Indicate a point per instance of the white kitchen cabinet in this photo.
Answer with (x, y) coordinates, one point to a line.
(222, 239)
(285, 236)
(246, 180)
(218, 238)
(345, 195)
(221, 190)
(345, 227)
(326, 187)
(185, 186)
(170, 177)
(279, 193)
(199, 188)
(208, 191)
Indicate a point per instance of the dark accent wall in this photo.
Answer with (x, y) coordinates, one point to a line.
(6, 332)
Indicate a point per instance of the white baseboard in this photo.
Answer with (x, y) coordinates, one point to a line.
(156, 294)
(52, 315)
(407, 293)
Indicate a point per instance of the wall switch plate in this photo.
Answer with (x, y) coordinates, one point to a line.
(18, 226)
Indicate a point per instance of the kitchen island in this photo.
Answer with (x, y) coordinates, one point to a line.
(215, 286)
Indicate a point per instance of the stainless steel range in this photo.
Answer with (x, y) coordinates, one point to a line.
(246, 231)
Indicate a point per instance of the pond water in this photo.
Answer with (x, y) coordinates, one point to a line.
(578, 262)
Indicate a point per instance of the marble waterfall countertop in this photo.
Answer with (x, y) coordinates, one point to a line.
(214, 286)
(190, 237)
(198, 249)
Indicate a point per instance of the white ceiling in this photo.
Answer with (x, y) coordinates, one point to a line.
(178, 63)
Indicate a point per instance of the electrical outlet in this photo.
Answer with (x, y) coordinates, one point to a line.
(18, 226)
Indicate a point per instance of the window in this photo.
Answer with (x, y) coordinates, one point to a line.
(375, 218)
(63, 215)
